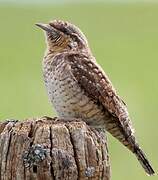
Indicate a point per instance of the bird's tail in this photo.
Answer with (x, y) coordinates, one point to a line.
(143, 160)
(130, 142)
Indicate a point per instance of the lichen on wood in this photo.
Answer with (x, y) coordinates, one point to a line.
(52, 149)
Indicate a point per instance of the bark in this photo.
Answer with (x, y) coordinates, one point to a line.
(52, 149)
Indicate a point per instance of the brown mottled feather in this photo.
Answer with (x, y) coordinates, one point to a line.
(98, 87)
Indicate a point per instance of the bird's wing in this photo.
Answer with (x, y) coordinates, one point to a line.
(97, 86)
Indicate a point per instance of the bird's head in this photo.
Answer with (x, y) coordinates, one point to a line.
(62, 36)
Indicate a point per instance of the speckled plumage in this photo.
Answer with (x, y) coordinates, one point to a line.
(78, 87)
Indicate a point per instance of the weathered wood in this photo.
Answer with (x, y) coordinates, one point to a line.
(52, 149)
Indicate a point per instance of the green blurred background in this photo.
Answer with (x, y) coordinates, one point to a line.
(124, 40)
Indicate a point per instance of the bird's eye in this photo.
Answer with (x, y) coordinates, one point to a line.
(55, 37)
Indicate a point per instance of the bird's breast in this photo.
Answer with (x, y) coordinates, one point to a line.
(68, 98)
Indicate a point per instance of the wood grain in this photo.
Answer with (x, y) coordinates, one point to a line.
(52, 149)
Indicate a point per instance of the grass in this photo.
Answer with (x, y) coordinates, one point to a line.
(124, 40)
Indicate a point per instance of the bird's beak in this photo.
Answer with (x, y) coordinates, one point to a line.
(45, 27)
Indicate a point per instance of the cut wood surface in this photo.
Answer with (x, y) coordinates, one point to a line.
(52, 149)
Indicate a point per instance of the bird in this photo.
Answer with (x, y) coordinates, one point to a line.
(78, 87)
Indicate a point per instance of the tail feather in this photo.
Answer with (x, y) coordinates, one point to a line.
(130, 142)
(143, 161)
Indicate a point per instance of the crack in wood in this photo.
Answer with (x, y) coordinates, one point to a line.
(10, 130)
(51, 155)
(74, 151)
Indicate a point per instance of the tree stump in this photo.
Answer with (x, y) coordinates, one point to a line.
(52, 149)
